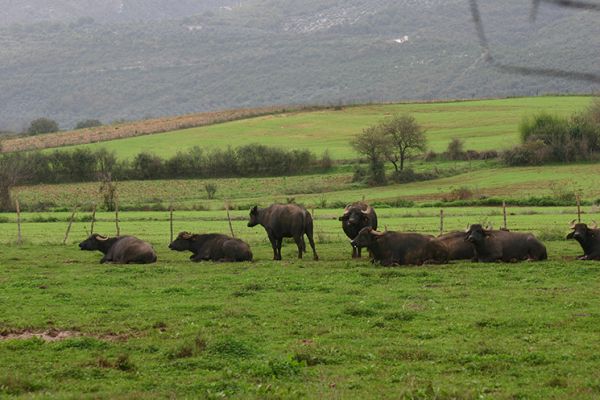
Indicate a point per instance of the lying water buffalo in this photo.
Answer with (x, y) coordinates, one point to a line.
(395, 248)
(120, 249)
(212, 247)
(357, 216)
(500, 245)
(285, 220)
(458, 248)
(588, 238)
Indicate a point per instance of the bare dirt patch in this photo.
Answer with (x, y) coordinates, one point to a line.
(55, 335)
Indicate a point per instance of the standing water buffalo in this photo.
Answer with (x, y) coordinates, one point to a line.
(212, 247)
(285, 220)
(588, 238)
(120, 249)
(395, 248)
(357, 216)
(458, 248)
(501, 245)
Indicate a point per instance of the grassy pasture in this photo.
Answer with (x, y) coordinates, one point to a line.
(484, 179)
(482, 124)
(341, 328)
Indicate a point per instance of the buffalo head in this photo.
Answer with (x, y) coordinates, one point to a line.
(253, 217)
(94, 242)
(182, 243)
(477, 233)
(581, 232)
(366, 237)
(355, 215)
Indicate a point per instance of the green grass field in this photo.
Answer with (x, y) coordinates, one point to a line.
(337, 328)
(482, 124)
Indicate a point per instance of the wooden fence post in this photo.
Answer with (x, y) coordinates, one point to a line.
(93, 218)
(117, 215)
(70, 224)
(18, 208)
(229, 218)
(504, 214)
(171, 221)
(441, 221)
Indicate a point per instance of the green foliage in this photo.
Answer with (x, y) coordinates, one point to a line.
(405, 137)
(211, 190)
(42, 125)
(88, 123)
(455, 149)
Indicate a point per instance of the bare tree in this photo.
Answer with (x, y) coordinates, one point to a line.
(403, 137)
(14, 169)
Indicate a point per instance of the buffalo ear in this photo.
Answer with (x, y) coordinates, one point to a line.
(570, 235)
(254, 210)
(343, 217)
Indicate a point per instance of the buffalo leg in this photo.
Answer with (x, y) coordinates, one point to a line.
(279, 244)
(301, 245)
(358, 251)
(312, 245)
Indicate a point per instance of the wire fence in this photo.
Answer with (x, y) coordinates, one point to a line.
(489, 57)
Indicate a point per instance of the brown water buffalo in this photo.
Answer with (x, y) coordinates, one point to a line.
(285, 220)
(500, 245)
(588, 238)
(396, 248)
(458, 248)
(120, 249)
(357, 216)
(212, 247)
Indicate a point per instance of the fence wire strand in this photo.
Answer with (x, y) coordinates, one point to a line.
(532, 71)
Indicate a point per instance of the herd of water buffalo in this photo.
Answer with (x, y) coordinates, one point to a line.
(359, 222)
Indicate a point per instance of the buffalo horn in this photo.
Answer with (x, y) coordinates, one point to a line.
(594, 225)
(376, 233)
(347, 209)
(467, 228)
(572, 224)
(102, 238)
(367, 211)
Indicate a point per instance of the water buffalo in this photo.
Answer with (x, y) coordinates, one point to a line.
(120, 249)
(212, 247)
(357, 216)
(458, 248)
(285, 220)
(500, 245)
(396, 248)
(588, 238)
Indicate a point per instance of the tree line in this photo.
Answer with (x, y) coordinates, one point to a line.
(86, 165)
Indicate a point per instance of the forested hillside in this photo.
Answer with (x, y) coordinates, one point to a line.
(131, 59)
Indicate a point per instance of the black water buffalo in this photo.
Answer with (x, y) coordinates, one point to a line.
(120, 249)
(396, 248)
(588, 238)
(500, 245)
(458, 248)
(285, 220)
(357, 216)
(212, 247)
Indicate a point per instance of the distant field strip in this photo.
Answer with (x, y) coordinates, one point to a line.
(131, 129)
(482, 124)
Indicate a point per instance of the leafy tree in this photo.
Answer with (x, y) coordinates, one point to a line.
(14, 169)
(403, 137)
(455, 149)
(372, 144)
(88, 123)
(42, 125)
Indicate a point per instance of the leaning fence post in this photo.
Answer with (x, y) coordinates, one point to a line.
(171, 220)
(18, 208)
(93, 218)
(70, 224)
(441, 221)
(117, 215)
(504, 214)
(229, 218)
(578, 197)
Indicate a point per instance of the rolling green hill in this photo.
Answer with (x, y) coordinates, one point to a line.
(482, 124)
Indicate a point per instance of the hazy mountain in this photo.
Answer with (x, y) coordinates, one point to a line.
(73, 60)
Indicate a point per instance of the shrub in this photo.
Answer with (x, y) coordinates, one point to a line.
(455, 150)
(530, 153)
(326, 163)
(88, 123)
(42, 125)
(211, 190)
